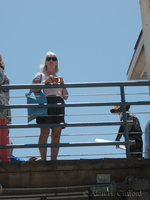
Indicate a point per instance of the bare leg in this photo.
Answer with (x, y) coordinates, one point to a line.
(43, 140)
(55, 138)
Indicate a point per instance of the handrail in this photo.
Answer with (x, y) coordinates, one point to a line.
(75, 85)
(74, 104)
(79, 124)
(71, 144)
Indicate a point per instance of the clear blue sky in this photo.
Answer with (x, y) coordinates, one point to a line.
(94, 41)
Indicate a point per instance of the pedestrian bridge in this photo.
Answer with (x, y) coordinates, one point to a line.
(83, 162)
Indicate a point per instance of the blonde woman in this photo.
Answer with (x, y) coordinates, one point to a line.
(54, 96)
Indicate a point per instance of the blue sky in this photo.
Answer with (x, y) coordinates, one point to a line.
(94, 41)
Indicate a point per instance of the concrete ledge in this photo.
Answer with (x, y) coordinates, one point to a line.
(65, 173)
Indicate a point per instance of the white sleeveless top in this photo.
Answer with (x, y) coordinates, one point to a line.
(49, 91)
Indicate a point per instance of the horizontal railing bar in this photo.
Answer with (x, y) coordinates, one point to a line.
(79, 114)
(75, 85)
(57, 105)
(137, 103)
(78, 124)
(80, 95)
(73, 135)
(72, 105)
(71, 144)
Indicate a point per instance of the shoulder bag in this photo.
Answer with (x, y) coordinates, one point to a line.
(36, 98)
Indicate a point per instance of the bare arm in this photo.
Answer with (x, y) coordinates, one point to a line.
(64, 92)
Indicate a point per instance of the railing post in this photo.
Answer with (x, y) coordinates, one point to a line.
(125, 121)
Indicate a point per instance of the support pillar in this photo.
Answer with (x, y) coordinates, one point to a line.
(145, 16)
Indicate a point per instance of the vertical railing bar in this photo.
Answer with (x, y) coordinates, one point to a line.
(125, 121)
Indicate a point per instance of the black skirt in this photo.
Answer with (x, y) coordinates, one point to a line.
(55, 114)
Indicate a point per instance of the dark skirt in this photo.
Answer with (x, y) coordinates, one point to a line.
(55, 114)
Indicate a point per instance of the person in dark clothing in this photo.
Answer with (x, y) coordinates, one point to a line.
(134, 131)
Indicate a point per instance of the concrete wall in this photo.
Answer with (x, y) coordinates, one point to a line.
(79, 175)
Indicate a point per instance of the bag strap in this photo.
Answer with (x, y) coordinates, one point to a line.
(41, 78)
(39, 82)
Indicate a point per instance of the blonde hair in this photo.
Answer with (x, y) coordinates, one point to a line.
(44, 66)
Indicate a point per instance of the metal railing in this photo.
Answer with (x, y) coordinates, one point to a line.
(123, 102)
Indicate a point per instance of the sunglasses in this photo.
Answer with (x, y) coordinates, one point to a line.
(51, 58)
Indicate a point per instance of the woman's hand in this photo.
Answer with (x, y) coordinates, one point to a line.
(49, 79)
(56, 79)
(61, 80)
